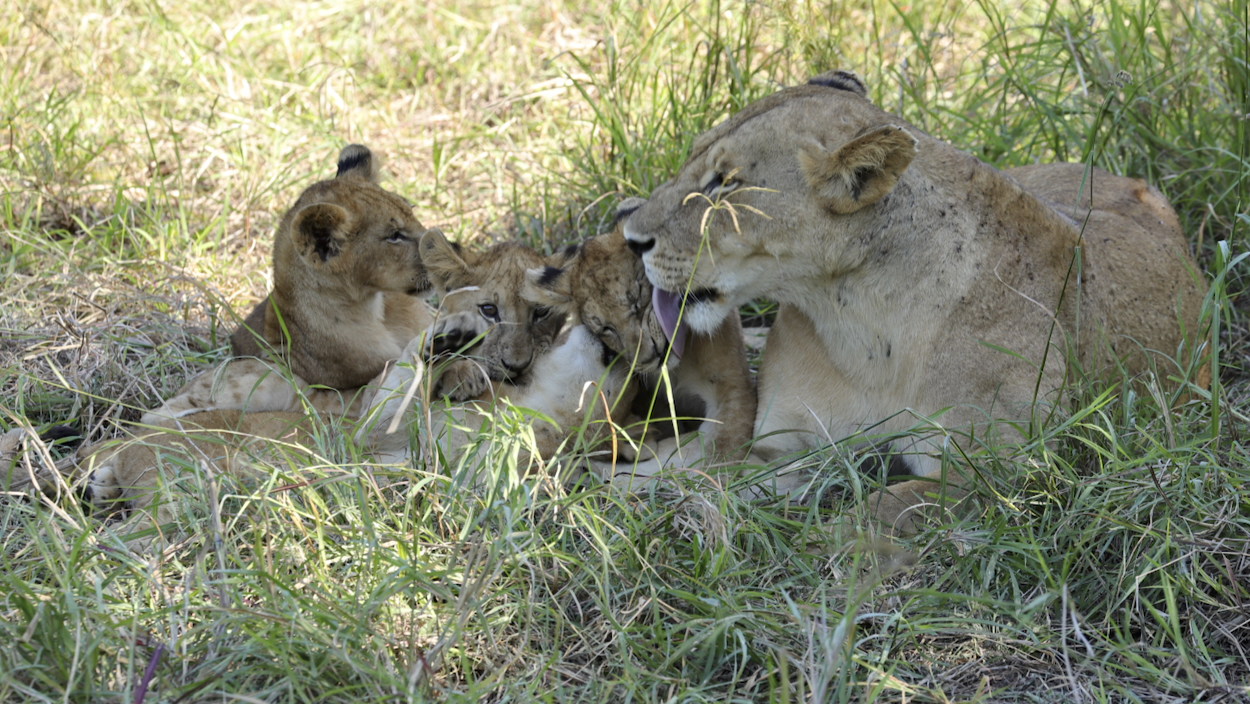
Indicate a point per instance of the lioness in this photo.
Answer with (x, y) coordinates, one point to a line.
(912, 276)
(347, 272)
(604, 286)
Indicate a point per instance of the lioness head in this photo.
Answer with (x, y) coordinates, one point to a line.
(784, 191)
(604, 286)
(349, 234)
(489, 285)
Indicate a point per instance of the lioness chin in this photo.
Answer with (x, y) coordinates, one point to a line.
(915, 281)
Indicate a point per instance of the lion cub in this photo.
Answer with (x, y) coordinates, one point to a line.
(604, 285)
(347, 272)
(481, 298)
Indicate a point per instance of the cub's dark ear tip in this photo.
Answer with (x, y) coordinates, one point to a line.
(550, 274)
(66, 433)
(353, 157)
(841, 80)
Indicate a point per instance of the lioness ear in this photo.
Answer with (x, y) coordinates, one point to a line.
(357, 162)
(447, 269)
(549, 286)
(861, 171)
(320, 232)
(841, 80)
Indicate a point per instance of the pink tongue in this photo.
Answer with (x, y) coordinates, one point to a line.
(667, 308)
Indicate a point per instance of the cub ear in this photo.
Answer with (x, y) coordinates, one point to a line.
(549, 286)
(357, 162)
(861, 171)
(444, 261)
(320, 232)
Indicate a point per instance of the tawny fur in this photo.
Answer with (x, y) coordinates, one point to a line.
(604, 286)
(347, 275)
(480, 294)
(576, 392)
(904, 267)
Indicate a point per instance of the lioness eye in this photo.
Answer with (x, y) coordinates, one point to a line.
(714, 183)
(720, 184)
(541, 312)
(397, 237)
(490, 310)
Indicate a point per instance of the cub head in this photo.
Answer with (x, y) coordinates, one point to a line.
(604, 286)
(790, 188)
(350, 235)
(489, 285)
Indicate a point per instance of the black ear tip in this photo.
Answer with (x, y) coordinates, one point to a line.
(354, 157)
(841, 80)
(549, 275)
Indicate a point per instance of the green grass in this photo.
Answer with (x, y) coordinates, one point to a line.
(147, 150)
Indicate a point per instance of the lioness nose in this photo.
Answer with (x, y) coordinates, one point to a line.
(640, 246)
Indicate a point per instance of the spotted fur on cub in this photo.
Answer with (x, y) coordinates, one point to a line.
(481, 297)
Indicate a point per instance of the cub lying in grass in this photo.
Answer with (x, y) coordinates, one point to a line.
(347, 275)
(566, 379)
(570, 388)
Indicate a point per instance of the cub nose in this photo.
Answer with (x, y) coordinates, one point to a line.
(639, 247)
(515, 368)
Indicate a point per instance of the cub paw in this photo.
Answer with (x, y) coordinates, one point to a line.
(462, 380)
(102, 489)
(454, 331)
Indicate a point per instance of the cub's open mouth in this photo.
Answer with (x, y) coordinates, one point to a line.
(667, 306)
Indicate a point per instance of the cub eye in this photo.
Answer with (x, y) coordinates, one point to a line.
(608, 336)
(490, 310)
(396, 237)
(541, 313)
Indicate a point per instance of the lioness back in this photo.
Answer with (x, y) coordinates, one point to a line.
(1134, 244)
